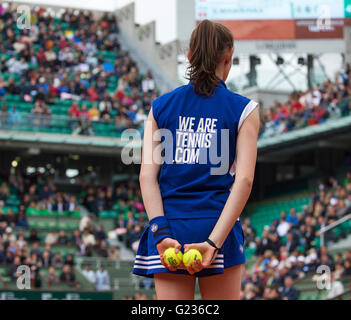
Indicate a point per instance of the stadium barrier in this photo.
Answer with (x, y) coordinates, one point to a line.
(332, 226)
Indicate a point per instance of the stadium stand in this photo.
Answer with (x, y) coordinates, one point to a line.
(327, 101)
(58, 78)
(284, 236)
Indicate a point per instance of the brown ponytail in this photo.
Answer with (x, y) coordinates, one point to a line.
(208, 43)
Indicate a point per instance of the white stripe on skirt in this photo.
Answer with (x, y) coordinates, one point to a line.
(158, 256)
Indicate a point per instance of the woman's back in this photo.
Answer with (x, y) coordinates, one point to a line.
(199, 148)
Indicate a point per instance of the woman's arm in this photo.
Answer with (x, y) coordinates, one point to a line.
(148, 178)
(149, 170)
(246, 151)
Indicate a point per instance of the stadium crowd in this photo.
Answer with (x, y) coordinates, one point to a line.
(329, 100)
(286, 251)
(69, 64)
(22, 244)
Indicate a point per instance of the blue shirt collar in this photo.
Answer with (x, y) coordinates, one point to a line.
(222, 83)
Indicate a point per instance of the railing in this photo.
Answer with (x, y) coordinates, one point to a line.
(64, 124)
(98, 262)
(331, 226)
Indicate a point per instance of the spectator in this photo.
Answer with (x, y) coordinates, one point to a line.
(67, 276)
(102, 279)
(33, 237)
(292, 218)
(51, 237)
(89, 273)
(4, 117)
(52, 278)
(336, 289)
(14, 117)
(87, 238)
(58, 261)
(69, 260)
(62, 238)
(289, 292)
(283, 226)
(113, 253)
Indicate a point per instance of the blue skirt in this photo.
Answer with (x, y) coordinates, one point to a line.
(186, 231)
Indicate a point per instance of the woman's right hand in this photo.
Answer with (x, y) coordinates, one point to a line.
(163, 245)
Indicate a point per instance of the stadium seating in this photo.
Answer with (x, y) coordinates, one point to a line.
(59, 121)
(262, 215)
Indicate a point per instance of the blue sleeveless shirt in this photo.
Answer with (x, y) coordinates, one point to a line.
(199, 147)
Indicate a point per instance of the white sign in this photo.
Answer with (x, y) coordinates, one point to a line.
(266, 9)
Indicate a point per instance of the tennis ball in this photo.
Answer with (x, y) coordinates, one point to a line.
(190, 256)
(172, 258)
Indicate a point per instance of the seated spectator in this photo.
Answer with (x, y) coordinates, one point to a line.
(76, 238)
(14, 117)
(291, 242)
(67, 276)
(113, 253)
(69, 260)
(92, 94)
(94, 113)
(51, 237)
(62, 238)
(60, 205)
(283, 226)
(87, 238)
(57, 261)
(46, 260)
(33, 237)
(52, 278)
(347, 268)
(100, 233)
(89, 273)
(72, 204)
(36, 279)
(102, 280)
(148, 84)
(292, 218)
(12, 271)
(102, 249)
(337, 287)
(12, 87)
(4, 116)
(289, 292)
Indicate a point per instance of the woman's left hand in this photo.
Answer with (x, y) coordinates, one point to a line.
(208, 255)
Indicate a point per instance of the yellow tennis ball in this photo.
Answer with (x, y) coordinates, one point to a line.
(172, 258)
(190, 256)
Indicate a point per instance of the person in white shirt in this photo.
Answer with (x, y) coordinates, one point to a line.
(102, 280)
(84, 223)
(336, 289)
(51, 238)
(88, 238)
(283, 227)
(148, 84)
(89, 273)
